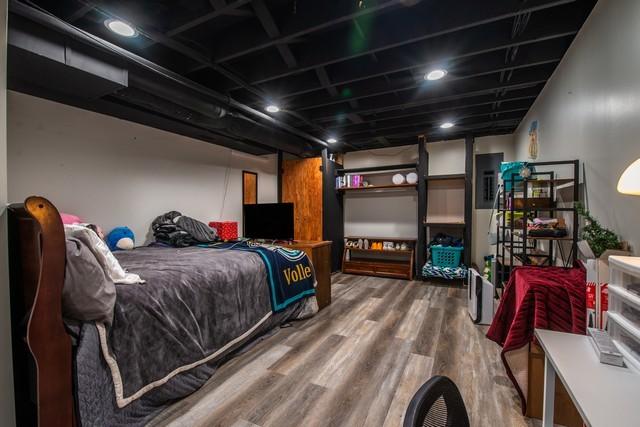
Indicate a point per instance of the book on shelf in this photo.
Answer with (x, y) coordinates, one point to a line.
(349, 180)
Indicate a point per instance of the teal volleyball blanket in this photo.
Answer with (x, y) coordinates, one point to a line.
(289, 272)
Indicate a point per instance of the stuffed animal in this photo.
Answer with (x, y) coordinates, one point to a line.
(121, 238)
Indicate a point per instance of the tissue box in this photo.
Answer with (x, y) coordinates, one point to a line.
(227, 230)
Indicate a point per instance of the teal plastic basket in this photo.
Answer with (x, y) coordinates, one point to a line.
(446, 256)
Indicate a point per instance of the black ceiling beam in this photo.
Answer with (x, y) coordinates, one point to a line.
(481, 102)
(468, 89)
(478, 129)
(474, 123)
(475, 55)
(310, 17)
(272, 30)
(411, 108)
(433, 121)
(221, 5)
(549, 40)
(444, 136)
(419, 23)
(382, 87)
(325, 83)
(227, 9)
(323, 78)
(78, 13)
(440, 115)
(197, 56)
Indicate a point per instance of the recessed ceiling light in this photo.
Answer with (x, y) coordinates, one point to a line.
(121, 28)
(446, 125)
(272, 108)
(332, 140)
(435, 74)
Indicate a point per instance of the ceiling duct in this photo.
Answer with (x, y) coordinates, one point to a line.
(52, 59)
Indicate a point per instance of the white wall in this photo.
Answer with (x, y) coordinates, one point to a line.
(6, 373)
(446, 157)
(390, 215)
(590, 110)
(486, 145)
(381, 214)
(113, 172)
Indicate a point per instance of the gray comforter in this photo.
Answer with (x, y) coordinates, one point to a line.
(197, 307)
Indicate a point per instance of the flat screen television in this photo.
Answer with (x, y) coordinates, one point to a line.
(269, 221)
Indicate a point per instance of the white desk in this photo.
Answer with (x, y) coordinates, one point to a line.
(604, 395)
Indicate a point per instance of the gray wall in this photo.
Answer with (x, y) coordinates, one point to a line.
(590, 109)
(113, 172)
(6, 379)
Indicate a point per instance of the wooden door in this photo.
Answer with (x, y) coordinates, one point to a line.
(249, 188)
(302, 186)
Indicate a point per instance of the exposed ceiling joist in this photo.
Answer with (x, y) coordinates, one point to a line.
(270, 27)
(431, 120)
(440, 113)
(221, 6)
(551, 45)
(416, 26)
(475, 123)
(228, 8)
(310, 101)
(358, 71)
(408, 101)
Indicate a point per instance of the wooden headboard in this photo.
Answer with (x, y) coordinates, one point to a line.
(42, 352)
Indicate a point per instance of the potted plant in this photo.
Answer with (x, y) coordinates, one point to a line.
(599, 238)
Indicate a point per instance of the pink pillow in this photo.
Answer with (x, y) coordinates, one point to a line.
(69, 218)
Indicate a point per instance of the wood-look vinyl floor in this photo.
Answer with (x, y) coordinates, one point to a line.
(358, 363)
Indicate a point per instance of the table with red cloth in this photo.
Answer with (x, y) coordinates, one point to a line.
(536, 297)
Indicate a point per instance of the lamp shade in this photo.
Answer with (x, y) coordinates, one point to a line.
(629, 182)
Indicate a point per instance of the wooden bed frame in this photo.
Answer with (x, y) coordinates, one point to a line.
(42, 349)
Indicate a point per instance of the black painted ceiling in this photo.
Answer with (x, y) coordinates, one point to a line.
(354, 69)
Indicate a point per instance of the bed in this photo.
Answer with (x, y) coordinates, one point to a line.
(198, 307)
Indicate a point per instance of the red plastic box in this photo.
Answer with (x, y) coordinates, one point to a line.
(227, 230)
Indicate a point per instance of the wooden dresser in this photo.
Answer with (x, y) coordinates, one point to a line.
(319, 252)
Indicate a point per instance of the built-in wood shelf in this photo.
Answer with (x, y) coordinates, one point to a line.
(383, 251)
(378, 187)
(444, 224)
(455, 176)
(379, 262)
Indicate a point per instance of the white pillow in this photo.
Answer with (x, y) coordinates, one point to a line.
(105, 258)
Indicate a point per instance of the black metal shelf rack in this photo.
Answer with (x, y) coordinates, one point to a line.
(514, 245)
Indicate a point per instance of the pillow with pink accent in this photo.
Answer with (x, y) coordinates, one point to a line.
(70, 219)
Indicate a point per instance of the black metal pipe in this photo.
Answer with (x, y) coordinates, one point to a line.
(50, 21)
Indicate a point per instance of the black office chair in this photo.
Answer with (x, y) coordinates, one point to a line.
(437, 403)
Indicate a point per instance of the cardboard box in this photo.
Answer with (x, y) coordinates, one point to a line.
(597, 282)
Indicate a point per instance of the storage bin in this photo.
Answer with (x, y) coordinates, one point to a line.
(624, 307)
(626, 338)
(446, 256)
(625, 303)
